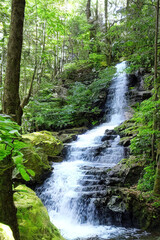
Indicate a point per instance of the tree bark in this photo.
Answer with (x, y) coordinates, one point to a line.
(88, 10)
(156, 114)
(107, 39)
(106, 14)
(7, 208)
(96, 12)
(157, 179)
(11, 99)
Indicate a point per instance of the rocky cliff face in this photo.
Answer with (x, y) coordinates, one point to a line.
(137, 89)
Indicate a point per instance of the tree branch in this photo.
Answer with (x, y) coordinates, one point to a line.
(26, 99)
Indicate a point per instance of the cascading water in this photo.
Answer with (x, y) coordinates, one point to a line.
(75, 185)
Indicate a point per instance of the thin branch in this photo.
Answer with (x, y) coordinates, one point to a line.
(26, 99)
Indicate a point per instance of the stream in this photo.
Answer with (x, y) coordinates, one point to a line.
(76, 187)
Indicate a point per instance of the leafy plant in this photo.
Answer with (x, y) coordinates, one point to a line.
(10, 146)
(147, 182)
(143, 117)
(141, 143)
(79, 108)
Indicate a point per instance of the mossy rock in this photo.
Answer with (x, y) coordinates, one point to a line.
(5, 232)
(33, 220)
(38, 163)
(45, 142)
(127, 128)
(41, 148)
(145, 214)
(70, 134)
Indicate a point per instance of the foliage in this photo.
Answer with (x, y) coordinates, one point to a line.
(10, 146)
(141, 144)
(143, 117)
(78, 109)
(133, 38)
(147, 182)
(99, 60)
(54, 36)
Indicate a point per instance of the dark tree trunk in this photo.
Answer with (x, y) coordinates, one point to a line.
(11, 99)
(106, 14)
(127, 5)
(107, 39)
(156, 114)
(7, 208)
(96, 12)
(11, 106)
(88, 9)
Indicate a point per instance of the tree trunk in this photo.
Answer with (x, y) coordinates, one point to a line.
(127, 5)
(88, 10)
(106, 14)
(7, 208)
(3, 53)
(107, 39)
(11, 99)
(157, 179)
(96, 12)
(156, 114)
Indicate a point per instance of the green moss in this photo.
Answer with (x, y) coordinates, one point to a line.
(5, 232)
(127, 128)
(41, 148)
(45, 142)
(33, 219)
(40, 165)
(142, 208)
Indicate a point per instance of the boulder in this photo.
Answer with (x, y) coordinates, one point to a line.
(5, 232)
(45, 143)
(33, 220)
(36, 162)
(41, 148)
(126, 173)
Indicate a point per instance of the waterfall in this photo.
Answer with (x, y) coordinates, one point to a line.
(75, 184)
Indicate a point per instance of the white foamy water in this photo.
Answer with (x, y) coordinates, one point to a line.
(70, 193)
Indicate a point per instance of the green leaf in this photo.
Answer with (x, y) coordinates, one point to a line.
(18, 159)
(31, 172)
(15, 132)
(24, 174)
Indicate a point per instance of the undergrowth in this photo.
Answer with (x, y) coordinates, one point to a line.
(78, 109)
(141, 145)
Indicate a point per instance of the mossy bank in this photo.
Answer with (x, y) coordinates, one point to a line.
(33, 220)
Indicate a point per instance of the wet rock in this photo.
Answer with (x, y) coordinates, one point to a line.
(108, 137)
(115, 204)
(123, 174)
(138, 96)
(110, 132)
(114, 181)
